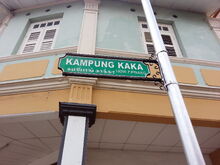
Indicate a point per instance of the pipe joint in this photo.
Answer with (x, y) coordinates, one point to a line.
(170, 83)
(162, 51)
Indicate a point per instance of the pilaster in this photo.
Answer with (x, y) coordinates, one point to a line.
(83, 93)
(87, 40)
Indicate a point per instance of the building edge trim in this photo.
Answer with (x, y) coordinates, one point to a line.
(154, 119)
(34, 116)
(99, 51)
(142, 55)
(51, 52)
(50, 115)
(58, 83)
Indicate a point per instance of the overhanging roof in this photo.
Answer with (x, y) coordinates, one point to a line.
(204, 6)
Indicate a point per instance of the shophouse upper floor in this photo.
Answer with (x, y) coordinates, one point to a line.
(120, 26)
(43, 31)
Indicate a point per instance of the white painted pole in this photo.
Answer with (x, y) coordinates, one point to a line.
(73, 146)
(187, 134)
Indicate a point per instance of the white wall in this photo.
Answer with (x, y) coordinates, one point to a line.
(117, 157)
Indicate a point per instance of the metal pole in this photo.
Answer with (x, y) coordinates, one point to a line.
(187, 134)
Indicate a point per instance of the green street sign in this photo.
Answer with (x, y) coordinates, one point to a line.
(106, 67)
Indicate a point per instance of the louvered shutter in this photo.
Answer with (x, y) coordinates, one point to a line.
(167, 35)
(40, 36)
(29, 48)
(48, 39)
(34, 36)
(49, 35)
(31, 40)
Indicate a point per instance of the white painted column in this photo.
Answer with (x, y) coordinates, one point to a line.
(87, 41)
(73, 147)
(76, 127)
(77, 118)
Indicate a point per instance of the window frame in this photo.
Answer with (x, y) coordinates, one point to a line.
(40, 39)
(170, 32)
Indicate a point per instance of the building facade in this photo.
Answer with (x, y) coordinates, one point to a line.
(134, 123)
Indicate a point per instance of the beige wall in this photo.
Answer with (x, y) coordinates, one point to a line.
(153, 108)
(116, 105)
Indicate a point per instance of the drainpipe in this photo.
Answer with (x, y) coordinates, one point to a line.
(191, 147)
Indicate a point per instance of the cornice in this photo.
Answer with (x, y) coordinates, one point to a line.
(200, 91)
(34, 86)
(149, 87)
(142, 55)
(107, 84)
(129, 86)
(100, 51)
(16, 57)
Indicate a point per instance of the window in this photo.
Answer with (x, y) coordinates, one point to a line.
(168, 37)
(40, 36)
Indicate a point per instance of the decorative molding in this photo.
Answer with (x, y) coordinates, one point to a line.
(149, 87)
(80, 93)
(42, 85)
(200, 92)
(195, 62)
(38, 54)
(129, 86)
(120, 53)
(142, 55)
(77, 109)
(34, 86)
(100, 51)
(82, 80)
(91, 5)
(107, 84)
